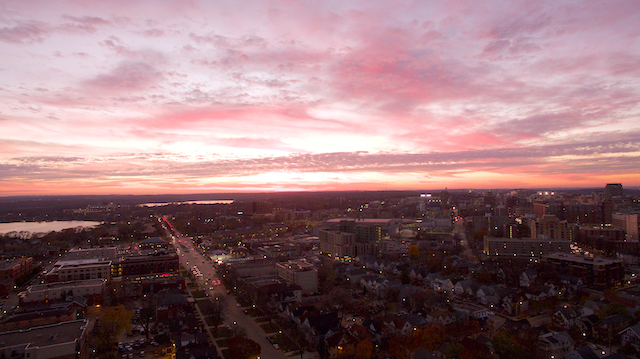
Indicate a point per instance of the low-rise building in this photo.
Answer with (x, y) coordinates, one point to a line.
(38, 318)
(596, 272)
(92, 289)
(91, 253)
(15, 268)
(299, 272)
(66, 340)
(556, 345)
(279, 250)
(79, 269)
(524, 247)
(146, 263)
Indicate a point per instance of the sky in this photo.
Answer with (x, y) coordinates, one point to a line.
(153, 97)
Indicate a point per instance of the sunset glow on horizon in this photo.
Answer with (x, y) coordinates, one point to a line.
(153, 97)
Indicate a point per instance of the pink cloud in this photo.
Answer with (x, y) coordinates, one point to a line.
(126, 77)
(26, 32)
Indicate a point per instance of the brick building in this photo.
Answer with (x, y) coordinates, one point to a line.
(596, 272)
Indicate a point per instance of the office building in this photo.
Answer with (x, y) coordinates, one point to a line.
(549, 226)
(524, 247)
(299, 272)
(79, 269)
(596, 272)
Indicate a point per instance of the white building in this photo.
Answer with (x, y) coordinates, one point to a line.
(79, 269)
(299, 272)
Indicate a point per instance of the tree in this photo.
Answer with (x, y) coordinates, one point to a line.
(323, 351)
(326, 275)
(613, 309)
(414, 251)
(243, 348)
(113, 322)
(364, 349)
(216, 313)
(147, 313)
(430, 337)
(453, 351)
(505, 345)
(397, 347)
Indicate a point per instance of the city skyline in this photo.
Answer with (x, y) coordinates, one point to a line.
(188, 97)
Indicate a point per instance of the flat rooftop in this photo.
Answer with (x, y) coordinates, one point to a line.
(579, 258)
(75, 284)
(44, 336)
(81, 262)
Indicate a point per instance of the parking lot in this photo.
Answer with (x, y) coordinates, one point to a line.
(137, 346)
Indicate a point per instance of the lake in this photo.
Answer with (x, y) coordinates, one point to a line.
(214, 201)
(44, 227)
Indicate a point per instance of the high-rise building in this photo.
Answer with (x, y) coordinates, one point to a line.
(628, 222)
(613, 190)
(338, 244)
(549, 226)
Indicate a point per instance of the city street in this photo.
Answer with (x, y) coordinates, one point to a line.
(189, 258)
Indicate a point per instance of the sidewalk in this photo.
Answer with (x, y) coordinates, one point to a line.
(204, 324)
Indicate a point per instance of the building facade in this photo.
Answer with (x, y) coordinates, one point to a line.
(66, 340)
(79, 269)
(92, 289)
(299, 272)
(596, 272)
(524, 247)
(549, 226)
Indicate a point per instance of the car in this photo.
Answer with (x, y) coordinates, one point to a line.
(142, 353)
(275, 345)
(130, 355)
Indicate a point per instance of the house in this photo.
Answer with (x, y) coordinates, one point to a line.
(488, 295)
(475, 349)
(395, 324)
(471, 311)
(631, 335)
(567, 317)
(609, 327)
(588, 324)
(171, 304)
(295, 310)
(354, 276)
(527, 277)
(461, 287)
(582, 353)
(360, 333)
(441, 316)
(316, 326)
(418, 274)
(443, 284)
(572, 282)
(374, 327)
(515, 303)
(415, 320)
(556, 344)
